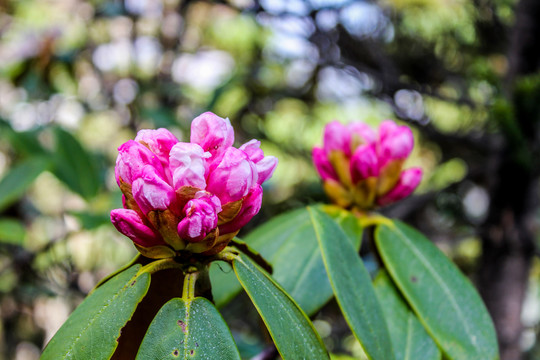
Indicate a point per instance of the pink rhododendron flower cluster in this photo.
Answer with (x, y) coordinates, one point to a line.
(362, 169)
(192, 196)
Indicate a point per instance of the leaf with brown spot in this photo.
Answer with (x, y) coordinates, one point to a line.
(188, 329)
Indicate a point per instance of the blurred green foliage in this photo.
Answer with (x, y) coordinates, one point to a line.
(79, 78)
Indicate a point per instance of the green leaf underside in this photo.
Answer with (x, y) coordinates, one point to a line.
(441, 296)
(90, 333)
(188, 329)
(291, 330)
(353, 288)
(410, 340)
(15, 183)
(75, 166)
(288, 242)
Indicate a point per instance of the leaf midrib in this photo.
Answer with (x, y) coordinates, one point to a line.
(288, 311)
(97, 315)
(439, 280)
(372, 330)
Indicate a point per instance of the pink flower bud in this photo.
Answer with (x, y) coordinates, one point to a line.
(364, 163)
(250, 207)
(151, 192)
(337, 138)
(232, 175)
(132, 156)
(159, 141)
(188, 166)
(395, 142)
(323, 166)
(265, 164)
(201, 217)
(129, 223)
(212, 133)
(408, 181)
(188, 197)
(360, 168)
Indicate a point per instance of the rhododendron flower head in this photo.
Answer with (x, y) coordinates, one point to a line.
(361, 168)
(188, 197)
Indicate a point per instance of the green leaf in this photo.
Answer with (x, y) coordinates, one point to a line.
(288, 242)
(74, 165)
(15, 183)
(442, 297)
(23, 142)
(409, 338)
(292, 332)
(93, 328)
(352, 287)
(11, 231)
(188, 329)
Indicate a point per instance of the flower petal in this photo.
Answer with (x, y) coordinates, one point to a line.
(336, 138)
(129, 223)
(395, 142)
(323, 165)
(188, 166)
(265, 164)
(132, 157)
(364, 163)
(408, 181)
(151, 192)
(213, 133)
(201, 217)
(232, 177)
(250, 207)
(159, 141)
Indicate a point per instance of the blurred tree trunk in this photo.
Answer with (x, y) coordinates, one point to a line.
(508, 235)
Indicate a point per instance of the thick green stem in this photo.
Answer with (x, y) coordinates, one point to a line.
(190, 280)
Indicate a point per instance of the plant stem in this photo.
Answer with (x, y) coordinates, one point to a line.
(190, 279)
(158, 265)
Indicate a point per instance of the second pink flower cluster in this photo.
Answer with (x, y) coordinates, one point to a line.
(188, 196)
(362, 169)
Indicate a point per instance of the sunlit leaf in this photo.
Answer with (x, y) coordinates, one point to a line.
(442, 297)
(409, 339)
(288, 242)
(352, 287)
(188, 329)
(292, 332)
(91, 332)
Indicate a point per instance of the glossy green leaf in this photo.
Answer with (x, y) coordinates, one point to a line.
(410, 340)
(288, 242)
(90, 333)
(188, 329)
(74, 165)
(12, 231)
(442, 297)
(292, 332)
(352, 287)
(15, 183)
